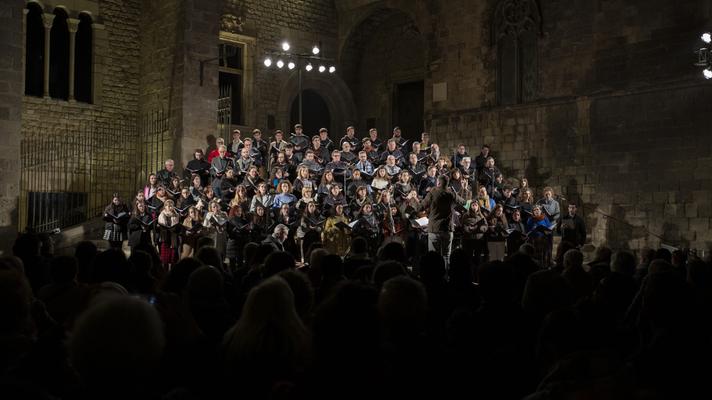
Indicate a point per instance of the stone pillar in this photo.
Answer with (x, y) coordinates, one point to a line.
(199, 102)
(11, 91)
(47, 19)
(73, 25)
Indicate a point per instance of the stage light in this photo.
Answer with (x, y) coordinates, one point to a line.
(291, 65)
(707, 73)
(332, 69)
(280, 63)
(315, 50)
(706, 37)
(285, 46)
(268, 62)
(309, 67)
(322, 68)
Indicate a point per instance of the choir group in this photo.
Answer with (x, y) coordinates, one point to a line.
(295, 191)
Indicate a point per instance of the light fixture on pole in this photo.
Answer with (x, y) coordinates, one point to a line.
(704, 55)
(299, 61)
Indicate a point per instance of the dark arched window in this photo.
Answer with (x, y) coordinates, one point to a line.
(34, 51)
(515, 31)
(83, 60)
(59, 56)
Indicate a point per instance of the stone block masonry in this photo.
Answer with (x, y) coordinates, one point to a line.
(11, 89)
(636, 162)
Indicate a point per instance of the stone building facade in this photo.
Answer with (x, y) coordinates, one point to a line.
(598, 99)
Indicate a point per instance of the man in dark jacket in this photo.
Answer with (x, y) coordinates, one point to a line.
(439, 203)
(572, 227)
(166, 174)
(276, 240)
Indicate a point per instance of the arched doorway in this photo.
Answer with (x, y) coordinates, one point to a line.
(315, 113)
(383, 61)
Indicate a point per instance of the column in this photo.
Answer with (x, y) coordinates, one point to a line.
(73, 25)
(47, 19)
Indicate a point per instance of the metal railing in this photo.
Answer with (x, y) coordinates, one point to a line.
(225, 113)
(69, 172)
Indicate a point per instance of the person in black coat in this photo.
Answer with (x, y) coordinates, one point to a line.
(572, 227)
(140, 226)
(276, 239)
(198, 166)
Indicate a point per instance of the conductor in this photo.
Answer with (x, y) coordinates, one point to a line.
(439, 203)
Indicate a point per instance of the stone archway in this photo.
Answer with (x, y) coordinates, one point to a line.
(331, 88)
(315, 114)
(383, 61)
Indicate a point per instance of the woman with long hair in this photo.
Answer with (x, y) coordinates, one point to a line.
(367, 226)
(192, 231)
(252, 180)
(168, 220)
(269, 343)
(175, 188)
(140, 226)
(302, 180)
(540, 235)
(496, 233)
(215, 223)
(327, 179)
(116, 215)
(306, 198)
(309, 228)
(359, 199)
(262, 197)
(237, 236)
(335, 197)
(149, 190)
(381, 180)
(285, 195)
(474, 229)
(261, 224)
(241, 199)
(486, 202)
(403, 187)
(526, 202)
(196, 187)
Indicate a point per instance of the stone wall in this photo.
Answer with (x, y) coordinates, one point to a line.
(11, 89)
(116, 47)
(620, 121)
(303, 24)
(389, 51)
(94, 144)
(161, 71)
(642, 159)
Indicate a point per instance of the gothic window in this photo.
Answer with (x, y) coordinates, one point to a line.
(59, 56)
(83, 60)
(34, 51)
(516, 29)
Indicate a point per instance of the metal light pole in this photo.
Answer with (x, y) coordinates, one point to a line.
(300, 59)
(299, 78)
(704, 55)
